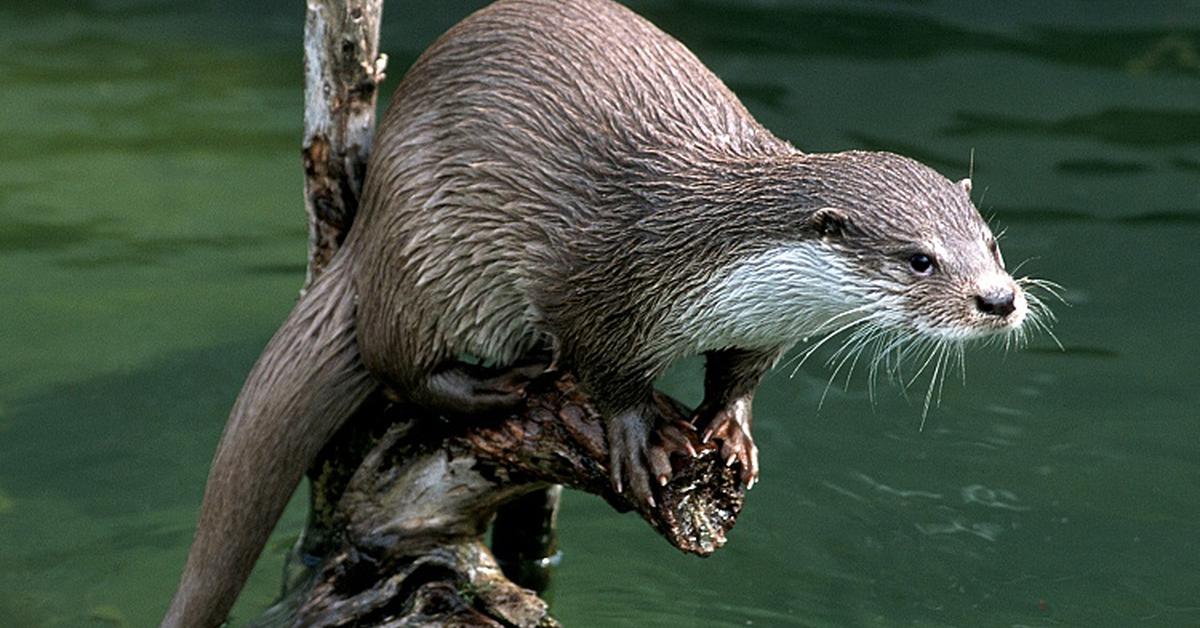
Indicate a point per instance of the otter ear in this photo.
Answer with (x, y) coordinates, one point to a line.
(965, 184)
(829, 222)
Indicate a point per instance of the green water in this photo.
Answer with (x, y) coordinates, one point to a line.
(151, 238)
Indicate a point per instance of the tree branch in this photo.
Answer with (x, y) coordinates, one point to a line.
(342, 71)
(410, 520)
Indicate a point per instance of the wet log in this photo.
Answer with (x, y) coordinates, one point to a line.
(403, 542)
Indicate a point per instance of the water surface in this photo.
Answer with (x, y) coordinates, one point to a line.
(151, 238)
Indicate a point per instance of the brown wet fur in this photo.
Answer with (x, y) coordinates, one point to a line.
(556, 175)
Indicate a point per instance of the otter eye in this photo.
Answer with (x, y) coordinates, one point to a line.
(921, 264)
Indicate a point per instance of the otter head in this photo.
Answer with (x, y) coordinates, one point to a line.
(921, 249)
(874, 252)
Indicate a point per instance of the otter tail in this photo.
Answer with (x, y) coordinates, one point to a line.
(305, 385)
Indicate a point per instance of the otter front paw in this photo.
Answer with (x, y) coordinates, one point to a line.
(730, 424)
(639, 451)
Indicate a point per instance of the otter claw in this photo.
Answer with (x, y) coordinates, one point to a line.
(640, 453)
(731, 426)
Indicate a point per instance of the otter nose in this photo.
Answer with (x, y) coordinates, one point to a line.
(996, 303)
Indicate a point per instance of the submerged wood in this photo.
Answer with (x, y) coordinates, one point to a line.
(400, 499)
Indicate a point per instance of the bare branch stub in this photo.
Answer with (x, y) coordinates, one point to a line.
(342, 68)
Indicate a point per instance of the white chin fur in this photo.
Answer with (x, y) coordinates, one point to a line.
(779, 297)
(806, 289)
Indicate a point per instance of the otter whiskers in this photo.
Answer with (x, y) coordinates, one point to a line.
(807, 353)
(1040, 315)
(890, 348)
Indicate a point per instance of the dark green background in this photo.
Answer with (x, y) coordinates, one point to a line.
(152, 237)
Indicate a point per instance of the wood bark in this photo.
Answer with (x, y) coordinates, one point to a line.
(342, 72)
(401, 499)
(403, 539)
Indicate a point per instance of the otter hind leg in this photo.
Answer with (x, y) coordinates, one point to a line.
(464, 389)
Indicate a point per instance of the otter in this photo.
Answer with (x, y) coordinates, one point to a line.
(564, 176)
